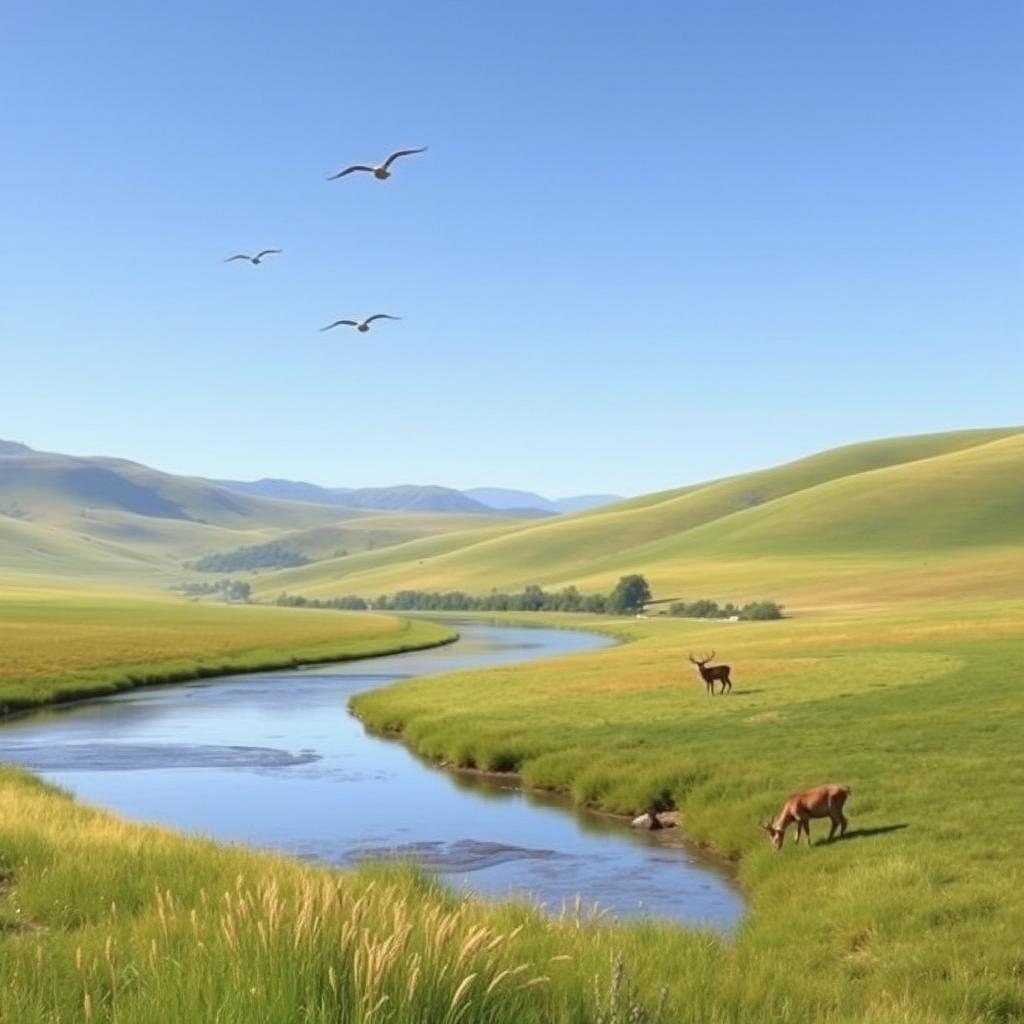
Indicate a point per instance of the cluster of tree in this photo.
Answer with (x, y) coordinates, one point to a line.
(707, 609)
(348, 603)
(230, 590)
(628, 597)
(273, 555)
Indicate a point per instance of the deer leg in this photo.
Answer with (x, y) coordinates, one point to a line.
(842, 824)
(832, 830)
(807, 832)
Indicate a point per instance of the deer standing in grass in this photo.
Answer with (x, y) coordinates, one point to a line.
(712, 673)
(819, 802)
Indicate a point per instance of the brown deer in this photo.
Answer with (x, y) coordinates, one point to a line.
(819, 802)
(712, 674)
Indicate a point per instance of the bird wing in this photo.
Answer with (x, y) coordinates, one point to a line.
(267, 252)
(349, 170)
(380, 316)
(402, 152)
(240, 256)
(339, 323)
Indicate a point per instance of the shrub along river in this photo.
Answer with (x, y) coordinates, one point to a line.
(275, 760)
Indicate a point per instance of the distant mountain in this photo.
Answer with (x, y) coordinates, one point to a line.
(36, 483)
(54, 488)
(401, 498)
(503, 498)
(412, 498)
(581, 502)
(288, 490)
(13, 448)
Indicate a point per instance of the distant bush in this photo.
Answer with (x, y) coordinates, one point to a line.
(707, 609)
(347, 603)
(273, 555)
(230, 590)
(630, 595)
(762, 610)
(530, 599)
(533, 598)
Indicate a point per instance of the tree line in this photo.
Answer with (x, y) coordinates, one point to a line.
(230, 590)
(629, 597)
(706, 609)
(273, 555)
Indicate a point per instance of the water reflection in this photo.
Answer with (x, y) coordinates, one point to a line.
(275, 760)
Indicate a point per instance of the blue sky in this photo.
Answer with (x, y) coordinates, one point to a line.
(650, 243)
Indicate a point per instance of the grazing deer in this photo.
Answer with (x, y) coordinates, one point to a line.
(712, 674)
(819, 802)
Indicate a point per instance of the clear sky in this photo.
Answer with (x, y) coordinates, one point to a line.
(650, 243)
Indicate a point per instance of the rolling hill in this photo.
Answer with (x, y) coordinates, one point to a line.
(87, 517)
(869, 509)
(924, 514)
(400, 498)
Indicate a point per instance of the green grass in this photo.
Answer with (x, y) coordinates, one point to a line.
(915, 918)
(203, 933)
(918, 916)
(882, 507)
(899, 674)
(61, 645)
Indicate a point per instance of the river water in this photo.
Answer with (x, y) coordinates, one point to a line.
(274, 760)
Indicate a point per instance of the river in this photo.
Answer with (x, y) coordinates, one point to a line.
(275, 760)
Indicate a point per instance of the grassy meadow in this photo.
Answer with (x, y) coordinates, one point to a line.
(62, 644)
(899, 672)
(918, 915)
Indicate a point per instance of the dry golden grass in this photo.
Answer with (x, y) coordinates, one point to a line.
(62, 644)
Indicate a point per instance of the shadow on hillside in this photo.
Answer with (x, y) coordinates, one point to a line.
(742, 693)
(867, 833)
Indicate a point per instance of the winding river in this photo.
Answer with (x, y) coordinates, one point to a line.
(275, 760)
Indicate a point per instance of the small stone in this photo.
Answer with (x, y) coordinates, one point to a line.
(648, 820)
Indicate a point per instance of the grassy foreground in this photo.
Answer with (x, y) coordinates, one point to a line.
(918, 916)
(203, 933)
(60, 645)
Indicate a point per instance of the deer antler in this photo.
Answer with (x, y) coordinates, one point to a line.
(692, 658)
(710, 656)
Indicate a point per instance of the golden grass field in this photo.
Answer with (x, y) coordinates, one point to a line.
(59, 644)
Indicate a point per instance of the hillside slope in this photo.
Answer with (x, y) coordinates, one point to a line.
(108, 518)
(879, 500)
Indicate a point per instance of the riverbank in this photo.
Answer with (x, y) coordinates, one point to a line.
(913, 918)
(61, 646)
(906, 705)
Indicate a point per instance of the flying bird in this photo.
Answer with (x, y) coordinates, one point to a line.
(364, 326)
(383, 171)
(254, 260)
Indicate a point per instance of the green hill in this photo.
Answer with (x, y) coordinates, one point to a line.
(881, 501)
(85, 517)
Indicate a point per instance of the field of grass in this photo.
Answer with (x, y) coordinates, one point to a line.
(916, 917)
(899, 673)
(919, 915)
(59, 645)
(202, 933)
